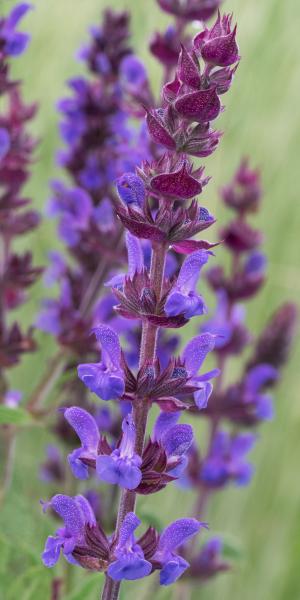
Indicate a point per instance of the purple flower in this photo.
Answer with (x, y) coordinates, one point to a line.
(103, 216)
(53, 468)
(87, 430)
(50, 317)
(193, 356)
(122, 466)
(175, 439)
(135, 261)
(56, 269)
(76, 513)
(130, 562)
(12, 42)
(13, 398)
(208, 562)
(131, 189)
(257, 378)
(183, 298)
(220, 324)
(106, 378)
(4, 142)
(173, 565)
(226, 461)
(227, 325)
(255, 264)
(74, 206)
(133, 71)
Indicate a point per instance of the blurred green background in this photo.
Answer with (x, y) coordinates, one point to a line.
(262, 121)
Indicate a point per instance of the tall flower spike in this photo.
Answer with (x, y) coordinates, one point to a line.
(183, 298)
(173, 565)
(129, 560)
(122, 466)
(105, 379)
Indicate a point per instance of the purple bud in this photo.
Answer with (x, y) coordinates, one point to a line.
(218, 46)
(179, 184)
(203, 105)
(190, 10)
(158, 130)
(188, 69)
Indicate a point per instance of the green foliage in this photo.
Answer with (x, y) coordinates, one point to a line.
(259, 121)
(14, 416)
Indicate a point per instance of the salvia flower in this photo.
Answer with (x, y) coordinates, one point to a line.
(175, 439)
(105, 379)
(183, 298)
(76, 513)
(131, 189)
(87, 430)
(12, 42)
(122, 466)
(193, 356)
(129, 560)
(209, 561)
(226, 461)
(175, 535)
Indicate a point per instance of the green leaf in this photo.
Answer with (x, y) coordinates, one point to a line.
(92, 583)
(34, 581)
(14, 416)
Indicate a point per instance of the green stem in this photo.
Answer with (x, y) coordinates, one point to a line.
(141, 406)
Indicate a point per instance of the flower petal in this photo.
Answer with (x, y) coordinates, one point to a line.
(177, 440)
(85, 426)
(177, 533)
(196, 351)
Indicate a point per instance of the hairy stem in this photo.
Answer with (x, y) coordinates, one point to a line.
(141, 407)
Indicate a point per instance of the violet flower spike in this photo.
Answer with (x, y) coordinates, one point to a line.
(105, 379)
(122, 466)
